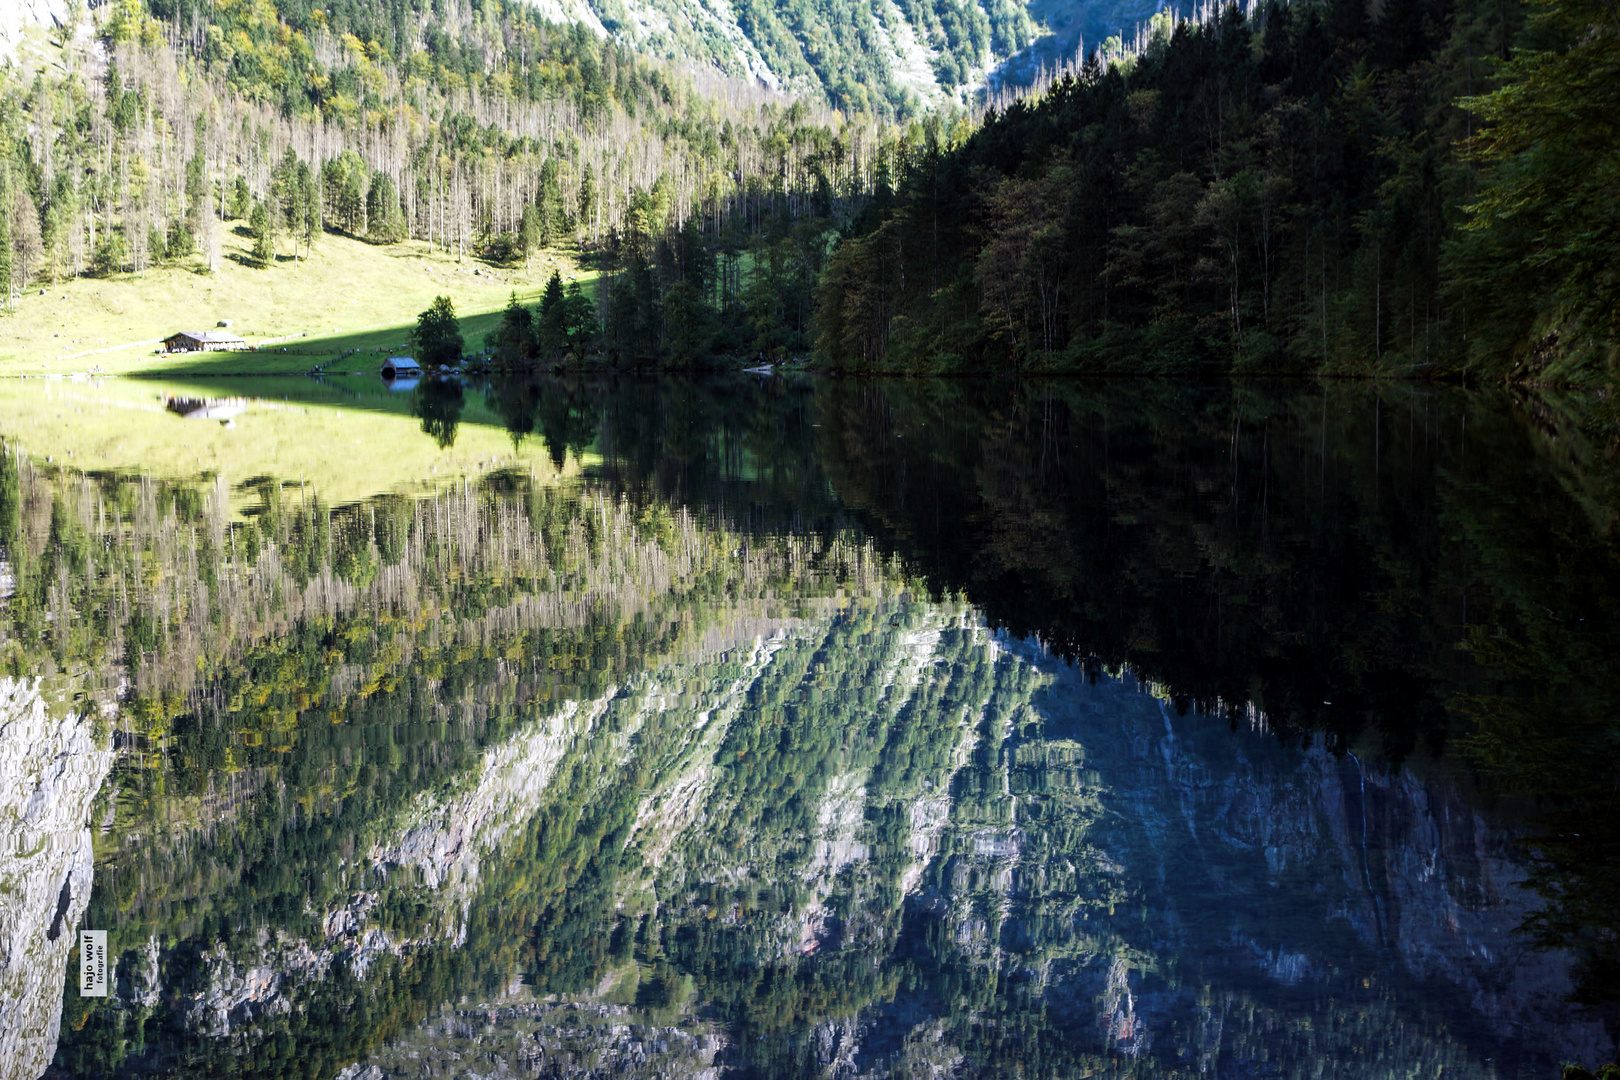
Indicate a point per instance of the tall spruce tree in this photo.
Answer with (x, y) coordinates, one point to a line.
(5, 241)
(262, 226)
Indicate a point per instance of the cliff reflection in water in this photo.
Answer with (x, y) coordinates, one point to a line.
(842, 729)
(1405, 571)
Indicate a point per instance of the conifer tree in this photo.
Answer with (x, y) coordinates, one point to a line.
(27, 244)
(5, 243)
(552, 330)
(529, 232)
(263, 229)
(196, 184)
(515, 337)
(384, 222)
(241, 201)
(309, 206)
(587, 197)
(551, 208)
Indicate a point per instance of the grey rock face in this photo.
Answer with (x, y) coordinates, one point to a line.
(1108, 840)
(50, 772)
(1250, 860)
(17, 16)
(568, 1041)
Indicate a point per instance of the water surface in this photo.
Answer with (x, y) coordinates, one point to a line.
(807, 728)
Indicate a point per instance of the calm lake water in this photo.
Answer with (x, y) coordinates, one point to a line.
(807, 728)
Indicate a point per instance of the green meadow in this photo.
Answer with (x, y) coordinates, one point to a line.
(346, 308)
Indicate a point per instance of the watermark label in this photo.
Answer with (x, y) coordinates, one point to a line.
(92, 963)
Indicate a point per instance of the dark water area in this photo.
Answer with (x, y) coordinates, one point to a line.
(823, 728)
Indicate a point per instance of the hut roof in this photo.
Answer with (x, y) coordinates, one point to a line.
(206, 408)
(210, 337)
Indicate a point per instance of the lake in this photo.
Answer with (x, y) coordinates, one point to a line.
(808, 727)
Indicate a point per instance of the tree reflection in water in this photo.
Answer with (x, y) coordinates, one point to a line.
(1389, 567)
(438, 403)
(748, 743)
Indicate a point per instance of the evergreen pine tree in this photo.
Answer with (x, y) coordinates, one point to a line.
(552, 331)
(5, 240)
(551, 204)
(241, 201)
(5, 248)
(515, 337)
(587, 196)
(263, 229)
(529, 232)
(384, 222)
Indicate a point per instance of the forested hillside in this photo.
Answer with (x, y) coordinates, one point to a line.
(891, 57)
(490, 136)
(1416, 189)
(1420, 190)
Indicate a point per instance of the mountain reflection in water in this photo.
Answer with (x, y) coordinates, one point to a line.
(837, 728)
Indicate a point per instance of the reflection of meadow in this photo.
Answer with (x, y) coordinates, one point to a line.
(345, 438)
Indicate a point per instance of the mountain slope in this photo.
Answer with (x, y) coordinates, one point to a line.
(879, 56)
(899, 52)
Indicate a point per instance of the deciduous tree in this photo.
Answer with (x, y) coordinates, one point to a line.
(437, 336)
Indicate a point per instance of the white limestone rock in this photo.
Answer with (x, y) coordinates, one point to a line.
(18, 16)
(50, 772)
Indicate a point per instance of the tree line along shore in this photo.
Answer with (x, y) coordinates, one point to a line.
(1431, 190)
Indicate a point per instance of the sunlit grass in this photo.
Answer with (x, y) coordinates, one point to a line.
(349, 296)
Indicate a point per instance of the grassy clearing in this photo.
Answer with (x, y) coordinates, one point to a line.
(349, 296)
(346, 438)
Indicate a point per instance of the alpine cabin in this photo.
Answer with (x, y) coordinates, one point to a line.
(202, 341)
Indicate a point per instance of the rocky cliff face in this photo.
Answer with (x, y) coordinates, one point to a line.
(19, 18)
(933, 54)
(1218, 876)
(50, 771)
(444, 838)
(1163, 889)
(518, 1037)
(1430, 890)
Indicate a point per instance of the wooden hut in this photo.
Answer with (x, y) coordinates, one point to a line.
(202, 341)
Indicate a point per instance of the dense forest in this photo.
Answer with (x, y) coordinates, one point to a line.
(1420, 189)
